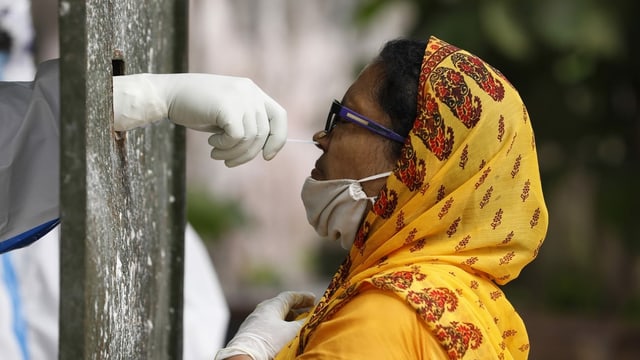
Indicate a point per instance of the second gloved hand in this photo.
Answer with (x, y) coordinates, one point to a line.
(264, 332)
(242, 118)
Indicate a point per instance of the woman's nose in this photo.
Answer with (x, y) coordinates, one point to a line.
(320, 137)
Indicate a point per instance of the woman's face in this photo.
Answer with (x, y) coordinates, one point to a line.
(351, 151)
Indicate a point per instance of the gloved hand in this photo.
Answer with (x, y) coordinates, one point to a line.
(264, 332)
(242, 117)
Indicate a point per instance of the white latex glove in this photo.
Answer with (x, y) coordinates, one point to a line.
(264, 332)
(242, 117)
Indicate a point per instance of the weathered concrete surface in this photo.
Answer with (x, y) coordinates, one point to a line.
(122, 194)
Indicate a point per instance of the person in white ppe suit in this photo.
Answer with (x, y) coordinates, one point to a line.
(30, 294)
(244, 122)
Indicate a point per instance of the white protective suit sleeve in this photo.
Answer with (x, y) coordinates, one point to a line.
(29, 160)
(205, 314)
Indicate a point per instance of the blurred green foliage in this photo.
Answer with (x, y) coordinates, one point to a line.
(211, 217)
(264, 275)
(214, 218)
(575, 64)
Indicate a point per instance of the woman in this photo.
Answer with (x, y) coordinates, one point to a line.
(461, 213)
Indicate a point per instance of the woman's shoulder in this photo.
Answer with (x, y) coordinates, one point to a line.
(389, 327)
(383, 304)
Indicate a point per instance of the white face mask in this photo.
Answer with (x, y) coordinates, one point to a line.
(335, 208)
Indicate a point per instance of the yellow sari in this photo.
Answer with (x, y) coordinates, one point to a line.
(462, 212)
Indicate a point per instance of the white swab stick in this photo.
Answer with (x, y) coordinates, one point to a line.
(302, 141)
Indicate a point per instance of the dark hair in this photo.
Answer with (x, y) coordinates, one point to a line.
(397, 89)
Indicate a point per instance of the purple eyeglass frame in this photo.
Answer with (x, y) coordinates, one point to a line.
(347, 114)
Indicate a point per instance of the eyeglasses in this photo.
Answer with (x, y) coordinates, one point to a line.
(337, 110)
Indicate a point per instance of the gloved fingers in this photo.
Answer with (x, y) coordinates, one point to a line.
(254, 345)
(247, 148)
(300, 321)
(263, 333)
(303, 299)
(286, 301)
(234, 156)
(224, 140)
(277, 117)
(239, 155)
(234, 126)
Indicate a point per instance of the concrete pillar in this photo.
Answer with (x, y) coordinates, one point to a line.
(122, 194)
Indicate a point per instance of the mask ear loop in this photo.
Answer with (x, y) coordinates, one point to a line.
(374, 177)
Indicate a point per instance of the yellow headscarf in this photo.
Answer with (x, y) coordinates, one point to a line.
(463, 211)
